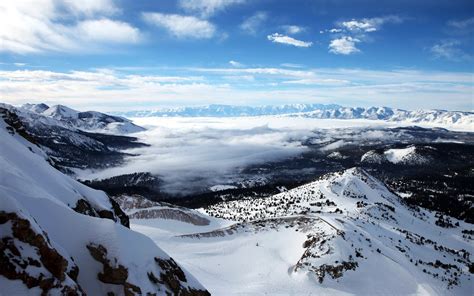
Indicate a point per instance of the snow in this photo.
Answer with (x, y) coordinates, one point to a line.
(404, 155)
(59, 115)
(35, 191)
(221, 187)
(440, 118)
(260, 251)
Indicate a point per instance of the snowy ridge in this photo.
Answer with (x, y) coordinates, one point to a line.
(410, 155)
(137, 207)
(60, 237)
(353, 226)
(88, 121)
(318, 111)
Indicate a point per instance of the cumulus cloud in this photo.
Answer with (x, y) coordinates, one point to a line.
(355, 31)
(38, 26)
(280, 38)
(252, 24)
(181, 26)
(207, 8)
(345, 45)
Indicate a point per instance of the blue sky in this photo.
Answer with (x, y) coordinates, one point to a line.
(137, 54)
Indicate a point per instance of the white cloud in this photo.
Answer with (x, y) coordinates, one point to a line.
(203, 153)
(345, 45)
(279, 38)
(182, 26)
(292, 29)
(253, 23)
(335, 30)
(370, 24)
(107, 90)
(450, 50)
(207, 8)
(106, 30)
(235, 64)
(38, 25)
(466, 24)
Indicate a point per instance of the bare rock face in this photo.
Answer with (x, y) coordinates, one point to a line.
(27, 255)
(173, 277)
(117, 215)
(115, 274)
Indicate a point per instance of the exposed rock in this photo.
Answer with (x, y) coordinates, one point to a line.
(17, 264)
(115, 275)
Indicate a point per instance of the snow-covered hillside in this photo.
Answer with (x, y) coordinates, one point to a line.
(344, 234)
(317, 111)
(59, 237)
(88, 121)
(410, 155)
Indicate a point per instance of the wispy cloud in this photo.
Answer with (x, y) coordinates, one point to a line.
(236, 64)
(463, 25)
(345, 45)
(368, 25)
(283, 39)
(36, 26)
(207, 8)
(181, 26)
(252, 24)
(450, 50)
(292, 29)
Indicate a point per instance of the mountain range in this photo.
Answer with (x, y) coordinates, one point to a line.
(319, 111)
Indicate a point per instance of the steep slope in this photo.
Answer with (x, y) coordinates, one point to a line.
(60, 237)
(359, 237)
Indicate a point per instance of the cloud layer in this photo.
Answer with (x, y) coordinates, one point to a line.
(115, 89)
(190, 155)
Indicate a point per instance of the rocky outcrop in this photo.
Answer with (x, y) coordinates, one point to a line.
(28, 256)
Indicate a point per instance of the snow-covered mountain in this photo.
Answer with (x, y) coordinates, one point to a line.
(357, 231)
(318, 111)
(343, 233)
(68, 146)
(88, 121)
(59, 237)
(228, 110)
(411, 155)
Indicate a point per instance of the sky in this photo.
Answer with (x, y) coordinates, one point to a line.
(117, 55)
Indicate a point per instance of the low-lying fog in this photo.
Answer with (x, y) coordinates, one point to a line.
(190, 152)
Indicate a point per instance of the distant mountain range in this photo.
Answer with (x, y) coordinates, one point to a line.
(318, 111)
